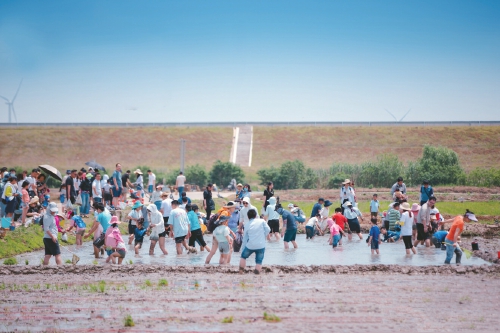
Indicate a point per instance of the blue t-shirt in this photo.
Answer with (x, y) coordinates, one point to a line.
(234, 219)
(193, 220)
(118, 176)
(290, 219)
(391, 234)
(440, 235)
(425, 193)
(375, 233)
(139, 234)
(374, 204)
(316, 208)
(104, 218)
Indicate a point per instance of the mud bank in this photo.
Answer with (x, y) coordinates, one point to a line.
(137, 269)
(212, 299)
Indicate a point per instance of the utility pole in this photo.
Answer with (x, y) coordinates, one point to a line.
(183, 153)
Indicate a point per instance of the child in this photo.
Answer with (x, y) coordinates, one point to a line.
(341, 221)
(156, 197)
(389, 236)
(196, 232)
(115, 242)
(80, 226)
(374, 239)
(134, 216)
(221, 233)
(25, 200)
(374, 205)
(311, 225)
(139, 236)
(106, 193)
(335, 233)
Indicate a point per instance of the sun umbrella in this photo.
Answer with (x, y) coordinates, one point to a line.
(95, 165)
(51, 171)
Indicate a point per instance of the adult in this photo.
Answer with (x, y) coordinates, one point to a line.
(116, 184)
(244, 213)
(273, 219)
(289, 230)
(86, 188)
(424, 223)
(126, 183)
(151, 181)
(254, 238)
(180, 227)
(393, 216)
(346, 194)
(99, 227)
(325, 214)
(415, 208)
(268, 193)
(239, 192)
(399, 185)
(139, 183)
(9, 196)
(208, 202)
(96, 188)
(352, 214)
(42, 189)
(158, 232)
(50, 231)
(32, 179)
(426, 191)
(179, 183)
(196, 232)
(456, 230)
(70, 187)
(317, 207)
(406, 228)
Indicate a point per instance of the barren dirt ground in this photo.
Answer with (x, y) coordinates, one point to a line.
(318, 299)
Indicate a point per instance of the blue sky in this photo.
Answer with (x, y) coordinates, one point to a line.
(187, 61)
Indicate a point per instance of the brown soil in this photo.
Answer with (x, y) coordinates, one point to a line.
(315, 299)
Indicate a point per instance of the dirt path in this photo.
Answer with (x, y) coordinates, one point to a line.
(352, 299)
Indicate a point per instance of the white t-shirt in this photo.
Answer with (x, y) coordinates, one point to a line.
(166, 205)
(76, 183)
(151, 179)
(97, 193)
(180, 180)
(406, 229)
(136, 215)
(312, 221)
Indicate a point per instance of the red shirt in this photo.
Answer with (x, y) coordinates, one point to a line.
(340, 220)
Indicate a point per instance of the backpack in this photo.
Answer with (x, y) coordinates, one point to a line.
(211, 222)
(79, 222)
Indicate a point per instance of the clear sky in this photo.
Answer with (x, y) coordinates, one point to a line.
(186, 61)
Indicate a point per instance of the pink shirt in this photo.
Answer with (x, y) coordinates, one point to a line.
(330, 223)
(114, 238)
(26, 196)
(334, 229)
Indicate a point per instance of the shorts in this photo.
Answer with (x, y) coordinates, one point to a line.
(51, 248)
(197, 235)
(374, 215)
(109, 252)
(154, 238)
(116, 192)
(421, 235)
(162, 234)
(11, 207)
(121, 252)
(150, 188)
(374, 244)
(414, 226)
(290, 235)
(80, 232)
(138, 242)
(107, 197)
(158, 205)
(354, 225)
(131, 228)
(436, 242)
(259, 254)
(224, 247)
(309, 232)
(335, 240)
(408, 243)
(97, 199)
(179, 240)
(274, 225)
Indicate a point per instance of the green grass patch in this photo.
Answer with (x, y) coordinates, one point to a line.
(148, 283)
(163, 283)
(271, 318)
(10, 261)
(227, 320)
(128, 321)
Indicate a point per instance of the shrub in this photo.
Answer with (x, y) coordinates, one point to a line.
(440, 165)
(223, 172)
(196, 174)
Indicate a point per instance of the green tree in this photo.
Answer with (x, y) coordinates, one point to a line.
(440, 165)
(223, 172)
(196, 174)
(270, 174)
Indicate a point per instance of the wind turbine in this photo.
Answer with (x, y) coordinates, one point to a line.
(11, 103)
(396, 119)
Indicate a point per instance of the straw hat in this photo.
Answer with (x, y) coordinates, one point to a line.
(164, 194)
(405, 206)
(347, 181)
(230, 204)
(35, 199)
(138, 171)
(239, 185)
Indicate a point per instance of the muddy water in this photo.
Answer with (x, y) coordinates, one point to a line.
(309, 252)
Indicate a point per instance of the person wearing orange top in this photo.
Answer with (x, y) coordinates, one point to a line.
(451, 239)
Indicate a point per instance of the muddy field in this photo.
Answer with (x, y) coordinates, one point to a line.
(374, 298)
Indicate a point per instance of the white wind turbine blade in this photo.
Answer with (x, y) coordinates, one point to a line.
(13, 99)
(389, 112)
(13, 111)
(405, 115)
(5, 99)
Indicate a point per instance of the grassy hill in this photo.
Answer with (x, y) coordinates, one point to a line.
(316, 146)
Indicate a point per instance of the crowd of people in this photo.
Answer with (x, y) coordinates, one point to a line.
(236, 226)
